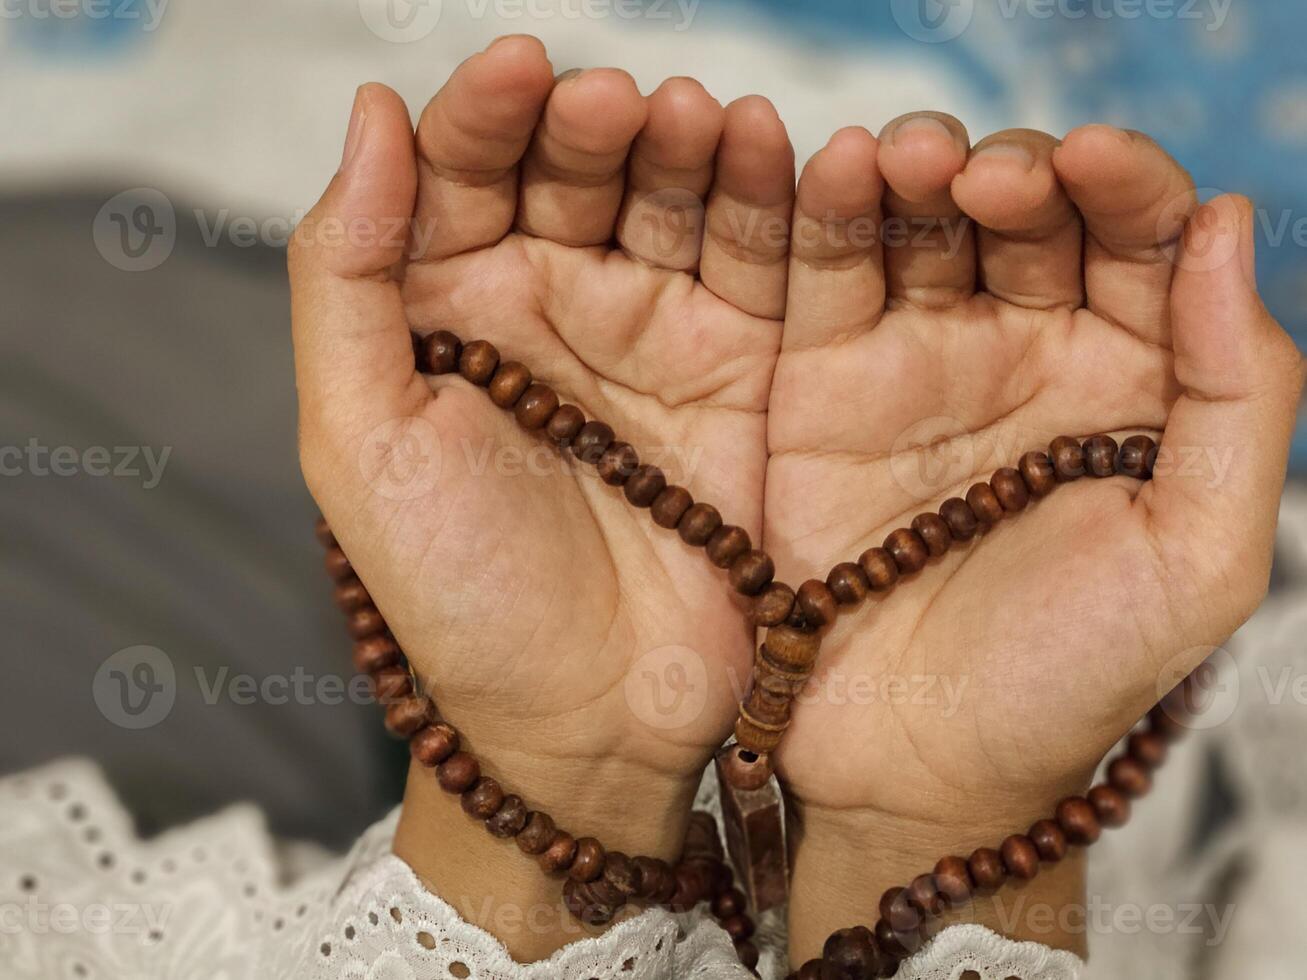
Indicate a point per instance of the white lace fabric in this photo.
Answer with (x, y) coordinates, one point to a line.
(82, 898)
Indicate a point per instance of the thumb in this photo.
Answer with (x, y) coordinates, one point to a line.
(353, 354)
(1221, 464)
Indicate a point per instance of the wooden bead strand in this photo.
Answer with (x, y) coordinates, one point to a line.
(599, 882)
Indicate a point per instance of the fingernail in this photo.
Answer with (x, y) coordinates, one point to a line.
(1012, 152)
(1248, 245)
(568, 75)
(354, 137)
(919, 124)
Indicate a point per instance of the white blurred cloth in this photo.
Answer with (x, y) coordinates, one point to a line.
(83, 897)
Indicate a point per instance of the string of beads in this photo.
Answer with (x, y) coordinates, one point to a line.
(598, 883)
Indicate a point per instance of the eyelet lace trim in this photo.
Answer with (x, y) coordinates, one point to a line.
(84, 899)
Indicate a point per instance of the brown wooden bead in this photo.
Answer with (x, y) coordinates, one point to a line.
(960, 518)
(1100, 455)
(738, 927)
(536, 407)
(747, 953)
(644, 485)
(483, 798)
(510, 382)
(909, 551)
(933, 530)
(897, 908)
(509, 819)
(774, 605)
(440, 352)
(1048, 839)
(727, 543)
(592, 441)
(589, 863)
(1078, 821)
(1068, 458)
(391, 684)
(670, 506)
(433, 744)
(698, 524)
(564, 425)
(1148, 748)
(322, 531)
(791, 650)
(1137, 456)
(337, 565)
(1130, 776)
(617, 463)
(816, 603)
(746, 768)
(1037, 471)
(657, 882)
(537, 833)
(691, 888)
(880, 568)
(984, 503)
(405, 717)
(621, 874)
(1020, 857)
(1165, 722)
(374, 652)
(751, 572)
(365, 622)
(847, 583)
(478, 361)
(987, 869)
(1010, 489)
(953, 880)
(851, 954)
(810, 970)
(1111, 806)
(895, 944)
(924, 895)
(350, 595)
(581, 904)
(559, 855)
(458, 773)
(730, 903)
(600, 892)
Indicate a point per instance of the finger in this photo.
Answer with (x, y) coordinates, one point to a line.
(470, 140)
(1028, 233)
(930, 245)
(573, 176)
(353, 351)
(1135, 201)
(837, 271)
(668, 175)
(1221, 466)
(747, 240)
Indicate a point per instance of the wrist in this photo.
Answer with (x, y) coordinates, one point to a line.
(845, 860)
(492, 883)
